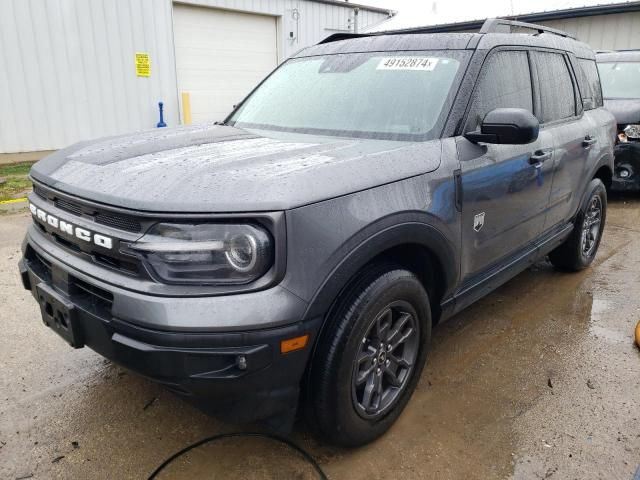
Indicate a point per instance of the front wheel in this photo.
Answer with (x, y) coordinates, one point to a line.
(579, 250)
(369, 357)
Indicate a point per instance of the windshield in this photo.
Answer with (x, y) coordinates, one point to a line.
(383, 95)
(620, 79)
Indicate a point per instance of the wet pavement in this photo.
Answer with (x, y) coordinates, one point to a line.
(540, 379)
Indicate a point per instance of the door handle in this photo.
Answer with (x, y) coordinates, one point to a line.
(540, 156)
(589, 140)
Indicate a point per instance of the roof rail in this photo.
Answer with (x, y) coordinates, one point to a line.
(335, 37)
(500, 25)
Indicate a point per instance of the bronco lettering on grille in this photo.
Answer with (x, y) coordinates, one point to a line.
(70, 229)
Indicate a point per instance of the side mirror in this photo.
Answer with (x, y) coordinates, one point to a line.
(515, 126)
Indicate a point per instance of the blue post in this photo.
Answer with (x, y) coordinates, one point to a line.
(161, 122)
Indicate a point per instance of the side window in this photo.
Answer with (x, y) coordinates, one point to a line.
(557, 94)
(592, 78)
(505, 81)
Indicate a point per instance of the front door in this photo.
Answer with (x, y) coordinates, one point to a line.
(505, 191)
(505, 188)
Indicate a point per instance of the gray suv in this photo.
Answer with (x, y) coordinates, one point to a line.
(301, 252)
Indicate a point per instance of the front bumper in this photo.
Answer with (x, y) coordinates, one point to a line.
(240, 374)
(627, 158)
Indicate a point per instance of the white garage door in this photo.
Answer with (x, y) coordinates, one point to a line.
(220, 56)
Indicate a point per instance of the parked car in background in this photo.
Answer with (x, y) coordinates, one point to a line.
(372, 186)
(620, 78)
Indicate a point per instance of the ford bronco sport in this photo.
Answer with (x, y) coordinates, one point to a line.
(301, 252)
(620, 74)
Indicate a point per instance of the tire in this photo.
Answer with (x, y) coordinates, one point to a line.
(579, 250)
(340, 410)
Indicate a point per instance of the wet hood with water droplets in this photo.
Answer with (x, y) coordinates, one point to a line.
(214, 168)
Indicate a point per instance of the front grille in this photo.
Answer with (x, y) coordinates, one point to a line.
(119, 221)
(120, 264)
(66, 243)
(123, 222)
(40, 192)
(68, 206)
(113, 258)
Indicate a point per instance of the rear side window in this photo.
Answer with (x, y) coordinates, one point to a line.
(589, 82)
(557, 95)
(505, 81)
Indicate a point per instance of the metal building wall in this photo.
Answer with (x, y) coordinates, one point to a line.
(618, 31)
(315, 20)
(67, 70)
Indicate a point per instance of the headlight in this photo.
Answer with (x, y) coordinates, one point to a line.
(632, 131)
(206, 253)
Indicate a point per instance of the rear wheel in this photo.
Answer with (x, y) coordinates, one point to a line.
(370, 357)
(579, 250)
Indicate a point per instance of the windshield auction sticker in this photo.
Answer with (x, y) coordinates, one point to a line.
(407, 63)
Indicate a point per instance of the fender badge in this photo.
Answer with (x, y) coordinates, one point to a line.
(478, 221)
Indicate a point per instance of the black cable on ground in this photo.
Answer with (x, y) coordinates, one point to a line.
(268, 436)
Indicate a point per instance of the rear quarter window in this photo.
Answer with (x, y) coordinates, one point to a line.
(589, 82)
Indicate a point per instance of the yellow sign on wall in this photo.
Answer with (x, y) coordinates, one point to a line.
(143, 64)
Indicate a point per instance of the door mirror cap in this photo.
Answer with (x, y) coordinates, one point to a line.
(513, 126)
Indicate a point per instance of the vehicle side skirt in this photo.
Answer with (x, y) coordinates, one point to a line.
(485, 283)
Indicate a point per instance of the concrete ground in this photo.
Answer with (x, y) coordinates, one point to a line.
(538, 380)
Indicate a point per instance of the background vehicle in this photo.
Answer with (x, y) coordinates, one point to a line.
(620, 76)
(371, 187)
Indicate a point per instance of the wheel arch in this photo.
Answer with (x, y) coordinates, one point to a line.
(605, 174)
(603, 170)
(418, 247)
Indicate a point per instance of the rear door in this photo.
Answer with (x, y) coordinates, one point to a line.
(601, 118)
(505, 188)
(574, 135)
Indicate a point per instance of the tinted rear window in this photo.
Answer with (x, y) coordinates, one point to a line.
(557, 94)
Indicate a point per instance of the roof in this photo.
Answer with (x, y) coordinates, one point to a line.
(535, 17)
(494, 32)
(444, 41)
(348, 4)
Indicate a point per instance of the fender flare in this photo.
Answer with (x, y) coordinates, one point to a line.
(407, 233)
(605, 161)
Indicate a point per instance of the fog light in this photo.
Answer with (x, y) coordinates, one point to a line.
(624, 173)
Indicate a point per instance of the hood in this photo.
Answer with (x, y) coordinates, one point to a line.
(625, 110)
(215, 168)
